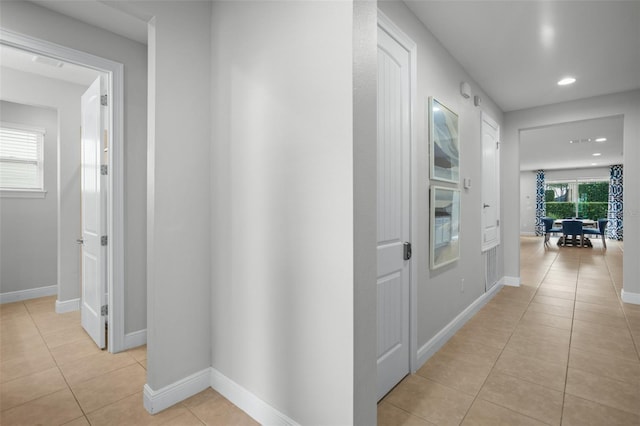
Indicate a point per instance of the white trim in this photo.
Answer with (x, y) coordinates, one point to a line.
(437, 341)
(510, 281)
(135, 339)
(115, 225)
(156, 401)
(628, 297)
(259, 410)
(23, 193)
(32, 293)
(67, 306)
(397, 34)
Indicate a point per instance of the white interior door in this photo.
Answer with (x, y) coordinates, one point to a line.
(490, 183)
(394, 151)
(93, 204)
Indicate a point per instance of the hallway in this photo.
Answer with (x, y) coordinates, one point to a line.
(52, 373)
(560, 349)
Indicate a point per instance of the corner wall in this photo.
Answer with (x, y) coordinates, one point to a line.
(283, 206)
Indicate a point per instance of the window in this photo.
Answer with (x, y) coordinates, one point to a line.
(21, 158)
(579, 198)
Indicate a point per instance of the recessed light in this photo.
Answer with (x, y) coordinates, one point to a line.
(601, 140)
(594, 164)
(47, 61)
(566, 80)
(596, 154)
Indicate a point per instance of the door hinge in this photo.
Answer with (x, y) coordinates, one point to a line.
(497, 144)
(103, 169)
(104, 310)
(103, 100)
(498, 222)
(407, 251)
(103, 240)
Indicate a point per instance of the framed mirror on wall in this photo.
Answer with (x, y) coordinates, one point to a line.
(445, 226)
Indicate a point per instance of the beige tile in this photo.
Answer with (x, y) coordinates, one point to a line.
(484, 335)
(12, 349)
(553, 301)
(13, 310)
(71, 352)
(42, 304)
(484, 413)
(613, 345)
(552, 292)
(106, 389)
(532, 369)
(599, 318)
(542, 332)
(28, 363)
(130, 411)
(524, 397)
(390, 415)
(94, 365)
(534, 317)
(53, 409)
(186, 418)
(139, 353)
(458, 345)
(55, 338)
(50, 321)
(601, 365)
(598, 299)
(80, 421)
(541, 349)
(213, 409)
(463, 372)
(598, 329)
(613, 393)
(582, 412)
(430, 400)
(552, 310)
(600, 309)
(28, 388)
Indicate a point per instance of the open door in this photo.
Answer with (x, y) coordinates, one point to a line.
(93, 204)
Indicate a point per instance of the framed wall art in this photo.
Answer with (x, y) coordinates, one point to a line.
(445, 226)
(443, 143)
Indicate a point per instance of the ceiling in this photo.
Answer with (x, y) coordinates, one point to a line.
(24, 61)
(554, 147)
(518, 50)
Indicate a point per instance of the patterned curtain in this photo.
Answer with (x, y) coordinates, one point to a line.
(541, 208)
(614, 226)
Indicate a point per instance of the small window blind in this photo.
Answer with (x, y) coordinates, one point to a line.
(21, 158)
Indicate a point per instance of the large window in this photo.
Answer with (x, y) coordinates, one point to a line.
(585, 199)
(21, 158)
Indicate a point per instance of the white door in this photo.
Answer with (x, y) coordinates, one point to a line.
(93, 204)
(490, 183)
(394, 148)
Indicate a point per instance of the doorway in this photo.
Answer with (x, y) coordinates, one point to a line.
(113, 71)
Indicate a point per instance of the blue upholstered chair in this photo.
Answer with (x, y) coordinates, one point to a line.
(573, 228)
(549, 229)
(602, 227)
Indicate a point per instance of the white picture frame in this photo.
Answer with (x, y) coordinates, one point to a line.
(444, 145)
(445, 226)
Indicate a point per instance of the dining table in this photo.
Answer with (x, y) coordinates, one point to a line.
(586, 223)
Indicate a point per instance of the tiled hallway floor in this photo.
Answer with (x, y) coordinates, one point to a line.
(560, 349)
(51, 373)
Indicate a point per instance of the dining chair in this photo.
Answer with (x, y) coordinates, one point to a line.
(602, 227)
(549, 229)
(573, 228)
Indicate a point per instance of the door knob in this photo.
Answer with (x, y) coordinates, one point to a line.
(485, 206)
(80, 241)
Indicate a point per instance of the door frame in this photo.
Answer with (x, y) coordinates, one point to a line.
(115, 177)
(410, 46)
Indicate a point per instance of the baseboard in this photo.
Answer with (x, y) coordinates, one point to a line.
(259, 410)
(157, 400)
(135, 339)
(67, 306)
(32, 293)
(437, 341)
(528, 234)
(510, 281)
(627, 297)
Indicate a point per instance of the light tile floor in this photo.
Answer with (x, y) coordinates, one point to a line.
(51, 373)
(560, 349)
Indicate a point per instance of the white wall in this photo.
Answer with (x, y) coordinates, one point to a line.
(626, 104)
(65, 98)
(573, 174)
(28, 230)
(283, 206)
(440, 298)
(30, 19)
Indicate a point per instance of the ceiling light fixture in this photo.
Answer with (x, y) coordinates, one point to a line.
(567, 80)
(596, 154)
(594, 164)
(601, 140)
(47, 61)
